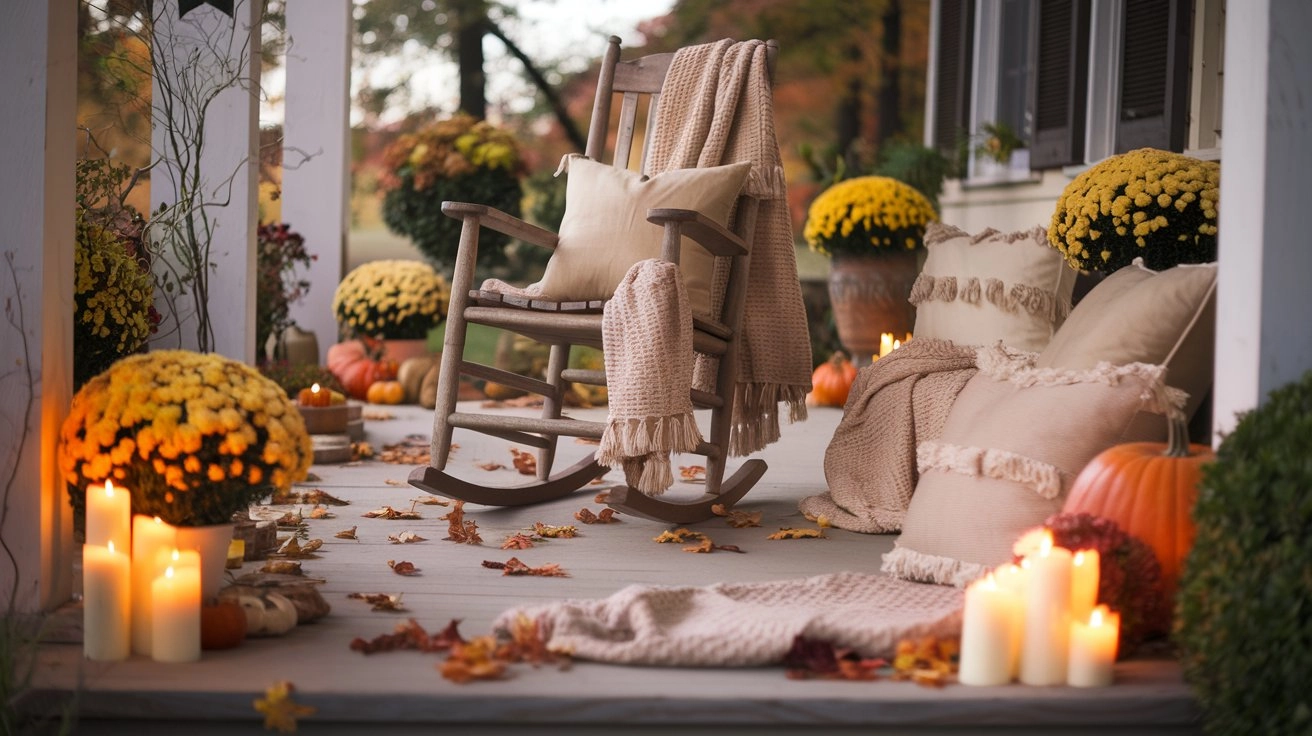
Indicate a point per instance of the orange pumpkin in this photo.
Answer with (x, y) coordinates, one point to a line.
(222, 625)
(385, 392)
(831, 381)
(1148, 489)
(353, 367)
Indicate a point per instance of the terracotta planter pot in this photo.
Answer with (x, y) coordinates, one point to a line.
(401, 350)
(869, 297)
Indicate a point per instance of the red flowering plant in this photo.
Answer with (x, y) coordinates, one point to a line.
(277, 284)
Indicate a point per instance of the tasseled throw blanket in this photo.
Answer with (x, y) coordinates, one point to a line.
(744, 624)
(716, 107)
(646, 332)
(895, 403)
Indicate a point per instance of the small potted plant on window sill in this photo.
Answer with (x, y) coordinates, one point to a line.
(999, 150)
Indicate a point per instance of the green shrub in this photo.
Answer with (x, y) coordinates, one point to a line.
(1246, 590)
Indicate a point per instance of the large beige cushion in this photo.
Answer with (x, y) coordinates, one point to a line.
(1014, 441)
(605, 229)
(1137, 315)
(992, 286)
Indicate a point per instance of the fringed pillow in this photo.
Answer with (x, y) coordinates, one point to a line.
(1014, 441)
(605, 228)
(990, 287)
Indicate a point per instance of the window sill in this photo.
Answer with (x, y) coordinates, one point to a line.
(1001, 178)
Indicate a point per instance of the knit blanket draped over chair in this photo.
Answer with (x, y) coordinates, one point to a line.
(895, 403)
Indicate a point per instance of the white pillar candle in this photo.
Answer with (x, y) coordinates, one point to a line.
(106, 603)
(109, 516)
(1085, 565)
(1011, 577)
(150, 537)
(175, 624)
(1093, 649)
(1047, 630)
(885, 343)
(988, 633)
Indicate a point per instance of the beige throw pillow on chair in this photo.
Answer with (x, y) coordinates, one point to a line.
(1014, 441)
(605, 229)
(991, 286)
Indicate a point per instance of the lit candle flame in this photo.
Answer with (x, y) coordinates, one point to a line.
(1095, 618)
(111, 545)
(1045, 544)
(168, 572)
(314, 389)
(109, 488)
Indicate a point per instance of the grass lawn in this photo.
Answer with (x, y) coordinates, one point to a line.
(480, 342)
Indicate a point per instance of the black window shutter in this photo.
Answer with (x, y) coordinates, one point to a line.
(956, 47)
(1154, 75)
(1061, 84)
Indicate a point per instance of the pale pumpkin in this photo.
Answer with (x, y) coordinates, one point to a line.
(832, 380)
(1149, 490)
(352, 366)
(411, 375)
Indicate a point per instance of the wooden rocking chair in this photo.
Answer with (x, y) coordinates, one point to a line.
(563, 324)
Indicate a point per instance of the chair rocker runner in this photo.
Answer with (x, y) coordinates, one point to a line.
(563, 323)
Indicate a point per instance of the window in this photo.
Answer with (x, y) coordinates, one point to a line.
(1075, 80)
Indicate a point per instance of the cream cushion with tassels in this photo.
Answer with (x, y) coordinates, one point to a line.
(605, 229)
(1013, 442)
(991, 286)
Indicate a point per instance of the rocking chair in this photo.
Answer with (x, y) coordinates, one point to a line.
(561, 324)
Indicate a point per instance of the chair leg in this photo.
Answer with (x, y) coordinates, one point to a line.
(557, 361)
(453, 344)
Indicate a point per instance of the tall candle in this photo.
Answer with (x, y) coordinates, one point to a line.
(106, 603)
(1011, 577)
(109, 516)
(988, 633)
(1084, 583)
(885, 343)
(1046, 638)
(150, 537)
(175, 624)
(1093, 649)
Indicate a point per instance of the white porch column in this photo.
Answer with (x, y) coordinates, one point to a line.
(317, 152)
(38, 75)
(1264, 293)
(227, 69)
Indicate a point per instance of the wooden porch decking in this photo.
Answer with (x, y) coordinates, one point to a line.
(402, 692)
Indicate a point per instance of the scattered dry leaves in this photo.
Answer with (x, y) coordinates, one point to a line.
(393, 482)
(320, 512)
(677, 536)
(282, 567)
(380, 601)
(429, 501)
(403, 567)
(928, 661)
(473, 660)
(601, 498)
(413, 450)
(361, 451)
(525, 462)
(819, 520)
(798, 534)
(313, 497)
(528, 644)
(518, 541)
(814, 659)
(377, 415)
(347, 534)
(692, 473)
(459, 530)
(410, 635)
(290, 520)
(294, 550)
(490, 466)
(737, 519)
(389, 513)
(406, 537)
(514, 566)
(280, 711)
(606, 516)
(555, 532)
(706, 546)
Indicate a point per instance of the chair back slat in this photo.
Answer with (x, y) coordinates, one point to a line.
(624, 130)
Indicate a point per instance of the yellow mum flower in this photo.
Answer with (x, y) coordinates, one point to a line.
(867, 214)
(391, 299)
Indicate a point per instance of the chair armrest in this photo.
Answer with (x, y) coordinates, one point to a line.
(706, 232)
(495, 219)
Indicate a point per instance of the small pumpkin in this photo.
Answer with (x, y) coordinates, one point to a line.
(354, 368)
(385, 392)
(222, 625)
(832, 380)
(500, 391)
(1149, 490)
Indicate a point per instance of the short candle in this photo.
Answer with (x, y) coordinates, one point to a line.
(1093, 649)
(106, 603)
(990, 629)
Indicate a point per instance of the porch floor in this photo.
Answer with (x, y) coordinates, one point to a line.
(402, 692)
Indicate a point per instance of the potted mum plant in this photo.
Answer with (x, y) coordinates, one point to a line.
(194, 437)
(873, 228)
(398, 302)
(1156, 205)
(460, 159)
(281, 251)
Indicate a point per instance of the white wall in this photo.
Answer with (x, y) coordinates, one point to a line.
(38, 76)
(317, 152)
(1003, 207)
